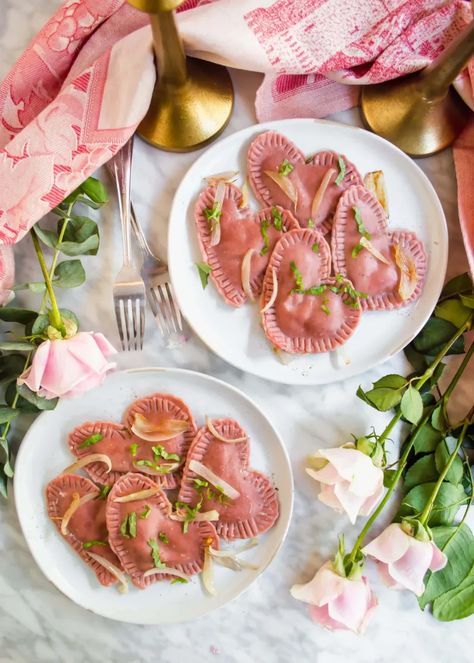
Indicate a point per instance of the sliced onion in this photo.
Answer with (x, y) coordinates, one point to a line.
(285, 184)
(284, 358)
(114, 570)
(229, 558)
(169, 570)
(272, 299)
(86, 460)
(245, 194)
(227, 176)
(371, 249)
(339, 358)
(208, 573)
(207, 474)
(76, 504)
(319, 195)
(375, 183)
(216, 225)
(201, 516)
(408, 276)
(245, 274)
(139, 495)
(218, 436)
(158, 431)
(143, 469)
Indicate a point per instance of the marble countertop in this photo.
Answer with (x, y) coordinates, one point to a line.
(38, 623)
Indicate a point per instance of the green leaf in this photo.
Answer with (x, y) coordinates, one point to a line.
(362, 395)
(38, 401)
(434, 335)
(69, 274)
(438, 419)
(422, 471)
(457, 603)
(95, 190)
(427, 439)
(40, 325)
(13, 314)
(392, 381)
(416, 359)
(342, 171)
(457, 285)
(20, 346)
(454, 311)
(21, 403)
(7, 414)
(384, 398)
(203, 270)
(69, 315)
(48, 237)
(412, 405)
(442, 454)
(457, 543)
(448, 501)
(81, 236)
(388, 477)
(11, 366)
(468, 300)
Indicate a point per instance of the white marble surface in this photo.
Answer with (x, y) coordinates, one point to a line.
(37, 623)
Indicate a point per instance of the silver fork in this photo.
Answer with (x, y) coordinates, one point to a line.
(159, 290)
(129, 288)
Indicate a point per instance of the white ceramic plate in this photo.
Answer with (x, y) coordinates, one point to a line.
(235, 334)
(44, 453)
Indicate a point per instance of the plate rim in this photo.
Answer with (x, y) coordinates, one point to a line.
(264, 126)
(23, 450)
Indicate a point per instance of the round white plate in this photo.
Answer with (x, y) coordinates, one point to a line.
(235, 334)
(44, 453)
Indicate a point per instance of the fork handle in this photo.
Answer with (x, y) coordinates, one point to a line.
(122, 168)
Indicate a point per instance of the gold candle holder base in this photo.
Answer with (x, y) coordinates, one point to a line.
(191, 115)
(422, 113)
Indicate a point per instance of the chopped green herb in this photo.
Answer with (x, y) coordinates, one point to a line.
(190, 513)
(315, 247)
(88, 544)
(200, 483)
(360, 224)
(285, 167)
(162, 536)
(160, 452)
(266, 240)
(89, 441)
(342, 171)
(179, 581)
(124, 527)
(133, 449)
(162, 469)
(146, 512)
(310, 223)
(277, 218)
(298, 276)
(155, 553)
(315, 290)
(325, 307)
(213, 214)
(356, 250)
(104, 491)
(339, 278)
(132, 524)
(144, 463)
(204, 270)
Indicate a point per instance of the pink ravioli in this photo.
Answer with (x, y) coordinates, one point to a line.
(269, 150)
(371, 276)
(241, 230)
(86, 525)
(182, 551)
(256, 509)
(310, 322)
(118, 442)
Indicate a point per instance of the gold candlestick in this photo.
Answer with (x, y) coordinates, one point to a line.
(193, 99)
(422, 113)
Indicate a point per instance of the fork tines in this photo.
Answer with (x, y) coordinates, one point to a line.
(130, 314)
(165, 310)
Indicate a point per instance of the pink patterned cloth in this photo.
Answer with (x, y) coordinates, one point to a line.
(83, 84)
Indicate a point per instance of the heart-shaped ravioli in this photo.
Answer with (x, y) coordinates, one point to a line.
(148, 542)
(239, 259)
(85, 530)
(217, 477)
(304, 310)
(280, 175)
(153, 440)
(387, 267)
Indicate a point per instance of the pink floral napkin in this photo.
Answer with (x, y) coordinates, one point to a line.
(83, 84)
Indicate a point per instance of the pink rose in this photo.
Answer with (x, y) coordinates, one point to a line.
(402, 559)
(350, 480)
(70, 366)
(337, 602)
(7, 274)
